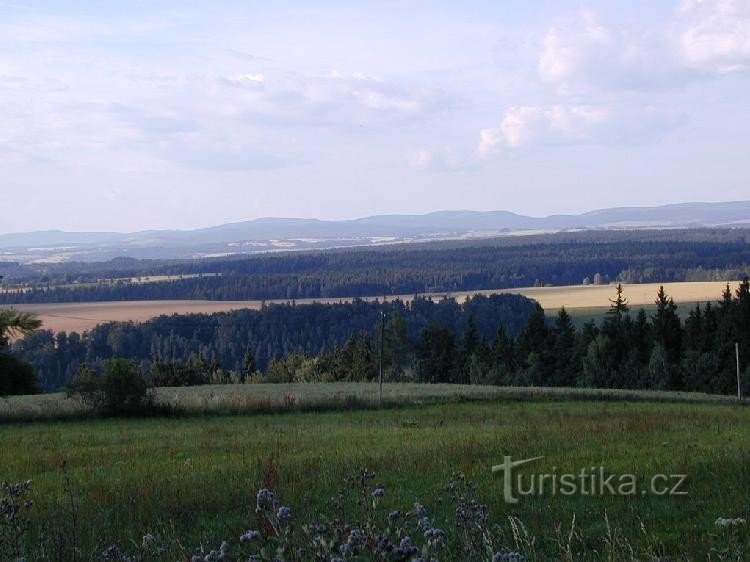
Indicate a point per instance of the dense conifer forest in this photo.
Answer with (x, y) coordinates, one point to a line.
(502, 339)
(552, 259)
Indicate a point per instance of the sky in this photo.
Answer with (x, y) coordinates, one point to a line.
(124, 116)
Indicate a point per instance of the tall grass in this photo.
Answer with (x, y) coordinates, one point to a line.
(275, 398)
(194, 478)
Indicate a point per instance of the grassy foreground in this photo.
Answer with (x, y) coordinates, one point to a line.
(195, 478)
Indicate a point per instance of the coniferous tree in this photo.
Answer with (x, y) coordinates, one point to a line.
(436, 355)
(619, 305)
(667, 333)
(397, 348)
(469, 359)
(566, 363)
(248, 363)
(534, 345)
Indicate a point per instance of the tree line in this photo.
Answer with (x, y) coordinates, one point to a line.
(640, 351)
(228, 346)
(561, 259)
(501, 340)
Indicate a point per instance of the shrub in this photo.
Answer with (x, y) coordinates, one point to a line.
(120, 390)
(16, 376)
(178, 373)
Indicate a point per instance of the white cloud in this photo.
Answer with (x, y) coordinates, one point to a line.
(442, 160)
(251, 80)
(585, 55)
(701, 38)
(177, 115)
(569, 50)
(530, 126)
(714, 35)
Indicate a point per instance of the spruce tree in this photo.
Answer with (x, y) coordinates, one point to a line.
(667, 333)
(566, 364)
(248, 363)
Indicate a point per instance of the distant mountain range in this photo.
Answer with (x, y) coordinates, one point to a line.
(273, 234)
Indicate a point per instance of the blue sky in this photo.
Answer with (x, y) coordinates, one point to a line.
(134, 115)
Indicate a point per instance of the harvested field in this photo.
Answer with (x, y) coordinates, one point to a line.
(83, 316)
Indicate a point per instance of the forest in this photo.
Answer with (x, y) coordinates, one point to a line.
(226, 344)
(501, 339)
(552, 259)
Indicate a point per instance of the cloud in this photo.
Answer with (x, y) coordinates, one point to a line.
(530, 126)
(701, 39)
(714, 35)
(442, 160)
(585, 55)
(174, 115)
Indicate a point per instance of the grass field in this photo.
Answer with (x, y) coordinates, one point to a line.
(195, 477)
(586, 299)
(271, 398)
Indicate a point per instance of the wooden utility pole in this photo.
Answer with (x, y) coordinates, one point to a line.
(739, 380)
(382, 338)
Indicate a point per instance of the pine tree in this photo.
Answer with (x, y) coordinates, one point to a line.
(667, 332)
(566, 364)
(535, 349)
(248, 363)
(619, 305)
(436, 355)
(396, 347)
(502, 349)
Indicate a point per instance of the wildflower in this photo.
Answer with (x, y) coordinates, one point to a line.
(356, 537)
(433, 533)
(420, 510)
(378, 493)
(434, 537)
(284, 513)
(249, 536)
(318, 529)
(383, 544)
(112, 552)
(265, 500)
(394, 515)
(407, 547)
(345, 549)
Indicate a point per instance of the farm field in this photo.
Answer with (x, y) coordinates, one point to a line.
(588, 299)
(195, 478)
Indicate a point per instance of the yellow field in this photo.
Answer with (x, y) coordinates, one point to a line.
(83, 316)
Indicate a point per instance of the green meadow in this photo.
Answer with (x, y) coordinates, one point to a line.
(192, 480)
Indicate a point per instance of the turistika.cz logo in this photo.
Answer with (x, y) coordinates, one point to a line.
(590, 481)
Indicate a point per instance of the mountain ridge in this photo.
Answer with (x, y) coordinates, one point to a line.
(278, 233)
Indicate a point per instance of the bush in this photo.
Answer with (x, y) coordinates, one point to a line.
(16, 376)
(120, 390)
(179, 373)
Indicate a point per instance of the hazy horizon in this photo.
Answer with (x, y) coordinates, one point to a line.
(182, 115)
(346, 219)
